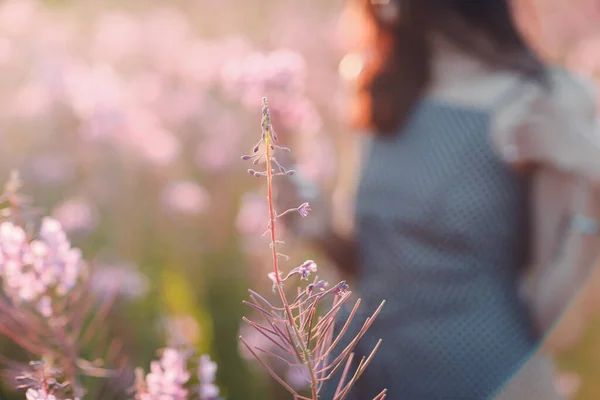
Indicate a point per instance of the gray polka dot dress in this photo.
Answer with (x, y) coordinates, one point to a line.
(442, 224)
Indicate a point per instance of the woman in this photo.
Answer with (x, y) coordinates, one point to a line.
(480, 176)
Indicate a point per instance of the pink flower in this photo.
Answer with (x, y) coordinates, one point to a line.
(61, 264)
(207, 370)
(12, 240)
(33, 394)
(31, 269)
(304, 209)
(306, 268)
(167, 377)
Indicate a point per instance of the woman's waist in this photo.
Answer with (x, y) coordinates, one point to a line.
(493, 307)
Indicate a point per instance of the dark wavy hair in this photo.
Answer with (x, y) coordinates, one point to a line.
(395, 78)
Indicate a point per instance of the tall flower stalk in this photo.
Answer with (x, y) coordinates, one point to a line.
(307, 339)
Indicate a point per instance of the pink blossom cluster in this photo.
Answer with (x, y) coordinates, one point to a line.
(145, 85)
(42, 382)
(35, 271)
(169, 376)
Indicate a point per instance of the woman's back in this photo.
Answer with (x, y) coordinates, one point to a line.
(442, 223)
(442, 227)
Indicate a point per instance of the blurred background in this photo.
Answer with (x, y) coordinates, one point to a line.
(127, 120)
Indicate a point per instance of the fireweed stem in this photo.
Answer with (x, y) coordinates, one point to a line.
(295, 328)
(273, 216)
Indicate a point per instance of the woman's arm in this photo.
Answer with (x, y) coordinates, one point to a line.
(560, 282)
(559, 134)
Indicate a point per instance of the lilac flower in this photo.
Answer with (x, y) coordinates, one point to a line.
(207, 370)
(306, 268)
(304, 209)
(303, 270)
(167, 377)
(340, 288)
(320, 285)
